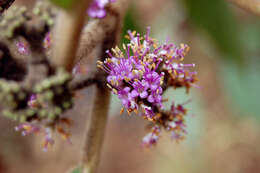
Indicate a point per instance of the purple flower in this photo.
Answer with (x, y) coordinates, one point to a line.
(27, 128)
(97, 8)
(141, 72)
(140, 89)
(151, 138)
(125, 96)
(48, 139)
(119, 70)
(46, 130)
(30, 128)
(32, 103)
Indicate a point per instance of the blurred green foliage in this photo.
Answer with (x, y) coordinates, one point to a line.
(242, 86)
(76, 170)
(242, 89)
(216, 18)
(130, 23)
(64, 3)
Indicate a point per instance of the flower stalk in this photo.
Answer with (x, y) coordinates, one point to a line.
(96, 130)
(100, 35)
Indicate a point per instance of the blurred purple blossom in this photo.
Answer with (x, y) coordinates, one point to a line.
(97, 8)
(22, 48)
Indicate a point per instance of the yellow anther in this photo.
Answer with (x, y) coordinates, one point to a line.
(124, 47)
(121, 111)
(109, 60)
(27, 127)
(100, 66)
(117, 49)
(114, 90)
(127, 79)
(153, 65)
(109, 86)
(99, 62)
(161, 82)
(165, 100)
(112, 82)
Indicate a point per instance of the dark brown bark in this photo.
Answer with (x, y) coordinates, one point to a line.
(5, 4)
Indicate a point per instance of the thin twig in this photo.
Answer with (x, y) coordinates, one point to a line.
(82, 82)
(252, 6)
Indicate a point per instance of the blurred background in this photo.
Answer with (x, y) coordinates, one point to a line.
(224, 115)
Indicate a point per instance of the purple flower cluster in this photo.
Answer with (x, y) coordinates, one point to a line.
(97, 8)
(141, 73)
(30, 128)
(35, 126)
(23, 47)
(47, 131)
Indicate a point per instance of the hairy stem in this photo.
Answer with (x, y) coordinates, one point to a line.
(252, 6)
(96, 130)
(100, 34)
(67, 34)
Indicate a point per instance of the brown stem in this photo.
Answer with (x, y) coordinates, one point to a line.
(82, 82)
(252, 6)
(96, 130)
(68, 30)
(102, 34)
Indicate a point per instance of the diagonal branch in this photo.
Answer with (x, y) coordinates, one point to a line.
(5, 4)
(252, 6)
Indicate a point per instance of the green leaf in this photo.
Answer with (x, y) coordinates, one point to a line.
(64, 3)
(77, 170)
(216, 18)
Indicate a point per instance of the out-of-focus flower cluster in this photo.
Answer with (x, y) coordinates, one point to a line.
(41, 114)
(97, 8)
(39, 111)
(141, 73)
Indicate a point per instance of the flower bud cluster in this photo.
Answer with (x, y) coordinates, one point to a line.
(141, 72)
